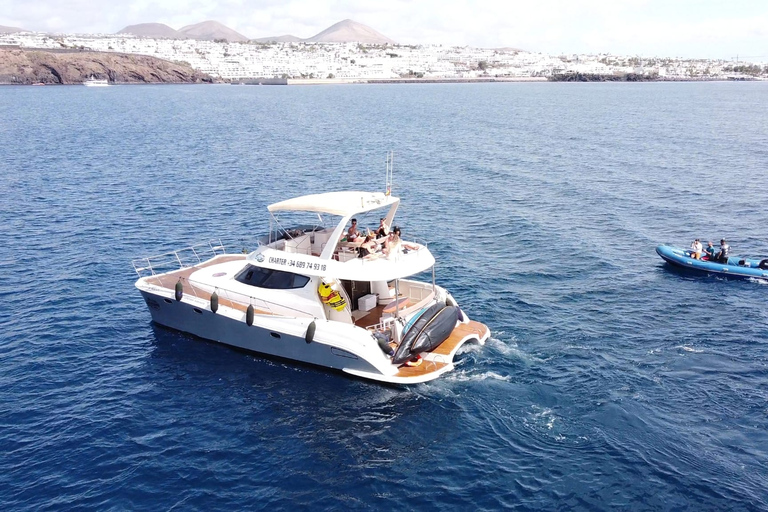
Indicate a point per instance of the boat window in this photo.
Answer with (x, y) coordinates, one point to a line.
(272, 279)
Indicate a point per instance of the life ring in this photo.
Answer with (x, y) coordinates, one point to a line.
(414, 362)
(331, 297)
(763, 264)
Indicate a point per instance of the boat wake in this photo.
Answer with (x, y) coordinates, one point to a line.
(468, 376)
(688, 348)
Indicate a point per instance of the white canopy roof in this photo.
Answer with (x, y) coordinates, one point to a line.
(336, 203)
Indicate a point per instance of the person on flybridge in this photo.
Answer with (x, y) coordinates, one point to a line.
(352, 232)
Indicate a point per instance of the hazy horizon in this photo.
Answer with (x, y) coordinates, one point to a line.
(673, 28)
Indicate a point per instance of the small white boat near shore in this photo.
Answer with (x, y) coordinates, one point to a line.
(95, 82)
(305, 295)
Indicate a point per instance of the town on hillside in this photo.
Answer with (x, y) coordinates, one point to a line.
(350, 51)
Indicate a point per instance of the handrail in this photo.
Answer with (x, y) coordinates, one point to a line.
(423, 293)
(175, 259)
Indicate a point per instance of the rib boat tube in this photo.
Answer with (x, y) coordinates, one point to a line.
(403, 352)
(436, 331)
(736, 267)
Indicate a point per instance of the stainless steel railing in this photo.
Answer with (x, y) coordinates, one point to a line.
(181, 258)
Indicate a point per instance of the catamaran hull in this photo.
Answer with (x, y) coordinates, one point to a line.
(274, 336)
(286, 338)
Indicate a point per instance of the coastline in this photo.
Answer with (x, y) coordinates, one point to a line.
(20, 66)
(394, 81)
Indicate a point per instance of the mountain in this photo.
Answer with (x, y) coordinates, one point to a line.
(349, 31)
(278, 39)
(11, 30)
(211, 30)
(154, 30)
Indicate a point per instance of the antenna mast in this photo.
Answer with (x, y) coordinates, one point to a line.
(390, 167)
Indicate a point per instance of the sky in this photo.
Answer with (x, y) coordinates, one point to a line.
(723, 29)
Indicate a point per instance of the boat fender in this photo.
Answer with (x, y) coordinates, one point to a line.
(461, 315)
(215, 302)
(310, 332)
(249, 315)
(179, 290)
(331, 297)
(763, 264)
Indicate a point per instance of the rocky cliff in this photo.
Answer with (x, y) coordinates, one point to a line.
(24, 67)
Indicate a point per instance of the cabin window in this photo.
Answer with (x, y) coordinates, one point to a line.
(272, 279)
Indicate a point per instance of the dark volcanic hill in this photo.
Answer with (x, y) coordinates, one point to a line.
(349, 31)
(11, 30)
(211, 30)
(73, 67)
(154, 30)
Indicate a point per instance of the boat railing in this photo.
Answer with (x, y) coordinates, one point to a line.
(419, 241)
(204, 292)
(383, 325)
(418, 293)
(181, 258)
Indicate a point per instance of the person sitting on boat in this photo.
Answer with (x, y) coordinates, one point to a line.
(710, 250)
(406, 246)
(367, 249)
(394, 245)
(383, 229)
(725, 250)
(696, 249)
(352, 232)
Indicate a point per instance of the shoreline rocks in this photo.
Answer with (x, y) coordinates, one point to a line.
(33, 67)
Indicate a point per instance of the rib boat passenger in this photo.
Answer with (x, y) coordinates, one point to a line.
(725, 250)
(696, 249)
(710, 250)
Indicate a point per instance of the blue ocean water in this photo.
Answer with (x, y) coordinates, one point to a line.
(610, 380)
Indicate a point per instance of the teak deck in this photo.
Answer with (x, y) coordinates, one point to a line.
(447, 349)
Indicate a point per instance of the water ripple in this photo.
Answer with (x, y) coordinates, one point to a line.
(609, 381)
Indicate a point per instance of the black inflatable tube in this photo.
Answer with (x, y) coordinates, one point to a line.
(403, 352)
(436, 331)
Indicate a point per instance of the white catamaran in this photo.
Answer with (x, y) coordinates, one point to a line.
(305, 294)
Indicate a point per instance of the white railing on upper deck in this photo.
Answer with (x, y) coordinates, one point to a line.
(182, 258)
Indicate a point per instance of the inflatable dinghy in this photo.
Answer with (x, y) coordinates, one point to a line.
(736, 267)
